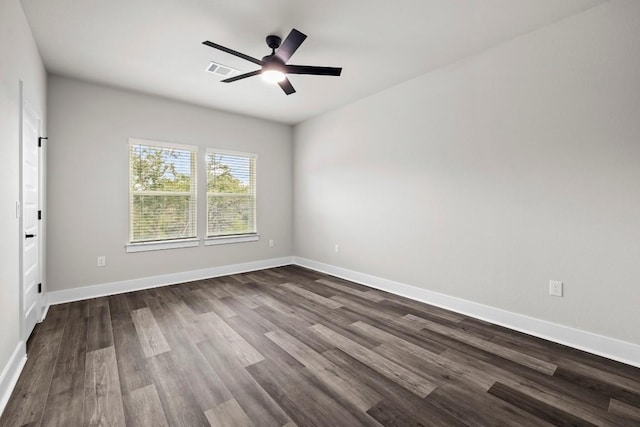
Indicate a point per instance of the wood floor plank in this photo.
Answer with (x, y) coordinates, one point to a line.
(220, 332)
(597, 385)
(29, 396)
(302, 399)
(542, 394)
(102, 397)
(274, 304)
(184, 315)
(219, 291)
(311, 285)
(178, 403)
(99, 333)
(144, 409)
(217, 305)
(228, 414)
(542, 410)
(207, 388)
(119, 311)
(461, 403)
(436, 365)
(193, 298)
(368, 294)
(486, 330)
(484, 361)
(372, 296)
(399, 406)
(553, 352)
(56, 319)
(136, 300)
(316, 313)
(389, 415)
(132, 366)
(420, 309)
(216, 287)
(253, 399)
(257, 339)
(505, 352)
(258, 322)
(240, 278)
(318, 299)
(65, 403)
(372, 311)
(415, 383)
(349, 388)
(398, 328)
(296, 329)
(630, 412)
(302, 309)
(249, 300)
(632, 386)
(149, 334)
(275, 274)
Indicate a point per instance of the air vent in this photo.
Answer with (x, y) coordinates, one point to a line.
(221, 70)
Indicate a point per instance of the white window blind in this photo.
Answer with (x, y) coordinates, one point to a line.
(231, 193)
(162, 191)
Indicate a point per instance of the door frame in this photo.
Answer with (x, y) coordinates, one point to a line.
(24, 103)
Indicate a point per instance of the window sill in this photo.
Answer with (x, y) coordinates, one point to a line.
(225, 240)
(158, 246)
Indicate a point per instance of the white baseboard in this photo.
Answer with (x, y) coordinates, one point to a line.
(11, 373)
(86, 292)
(610, 348)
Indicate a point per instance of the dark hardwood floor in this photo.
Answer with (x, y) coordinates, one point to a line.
(289, 346)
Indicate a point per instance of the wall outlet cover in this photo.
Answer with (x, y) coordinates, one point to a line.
(555, 288)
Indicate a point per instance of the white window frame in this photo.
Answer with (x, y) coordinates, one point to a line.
(155, 245)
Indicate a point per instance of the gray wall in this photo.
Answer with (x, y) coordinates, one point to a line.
(488, 178)
(19, 61)
(88, 181)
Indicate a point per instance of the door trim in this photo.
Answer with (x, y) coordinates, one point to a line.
(24, 103)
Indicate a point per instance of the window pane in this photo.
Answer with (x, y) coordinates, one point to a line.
(231, 194)
(162, 193)
(230, 214)
(162, 217)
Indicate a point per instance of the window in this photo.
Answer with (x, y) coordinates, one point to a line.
(162, 191)
(231, 193)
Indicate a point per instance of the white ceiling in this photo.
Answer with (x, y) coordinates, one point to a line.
(154, 46)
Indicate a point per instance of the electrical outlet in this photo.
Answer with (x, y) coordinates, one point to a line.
(102, 261)
(270, 243)
(337, 248)
(555, 288)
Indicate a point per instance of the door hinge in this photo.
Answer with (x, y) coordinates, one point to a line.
(39, 288)
(40, 140)
(39, 214)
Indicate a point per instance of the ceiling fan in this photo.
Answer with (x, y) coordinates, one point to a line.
(274, 67)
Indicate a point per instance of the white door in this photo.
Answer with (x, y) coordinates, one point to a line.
(31, 297)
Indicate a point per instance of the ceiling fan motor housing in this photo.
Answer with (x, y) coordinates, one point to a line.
(273, 41)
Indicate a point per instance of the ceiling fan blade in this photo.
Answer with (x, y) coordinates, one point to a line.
(232, 52)
(286, 86)
(310, 69)
(241, 76)
(290, 45)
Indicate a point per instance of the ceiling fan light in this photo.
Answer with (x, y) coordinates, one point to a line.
(272, 76)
